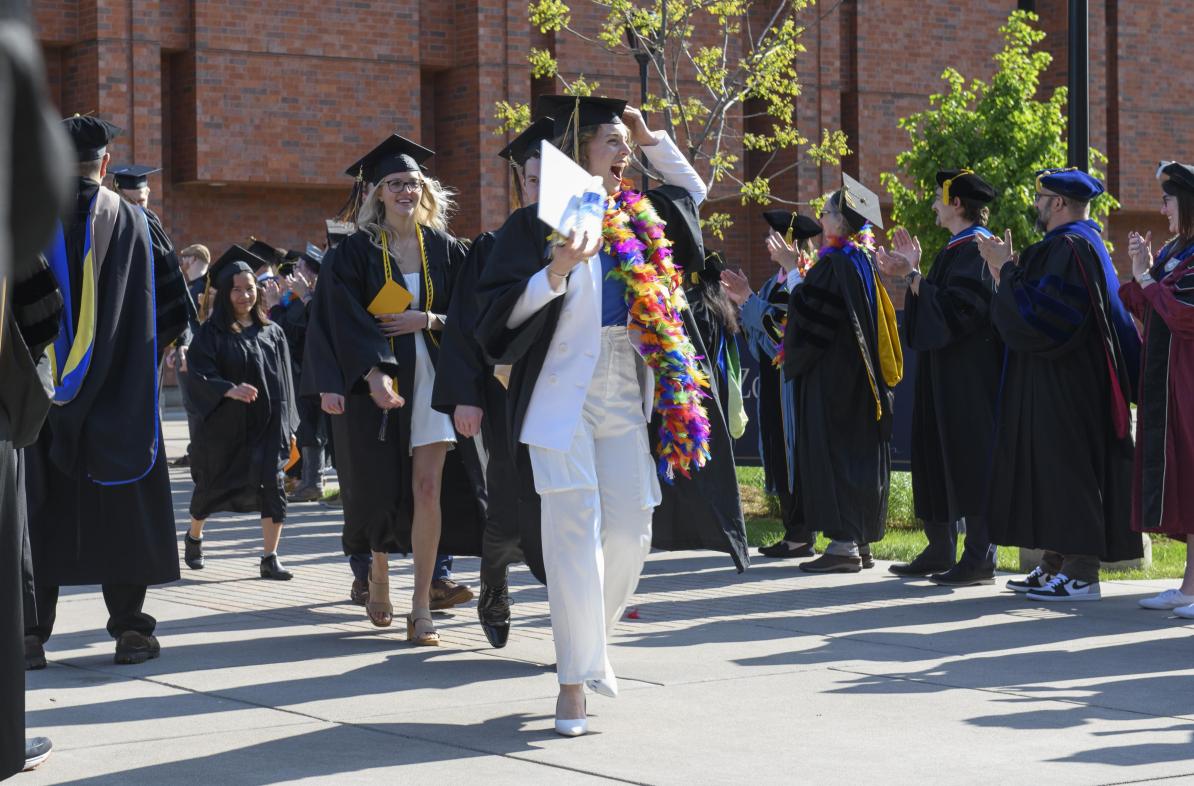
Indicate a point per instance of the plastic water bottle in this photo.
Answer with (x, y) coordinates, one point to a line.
(592, 208)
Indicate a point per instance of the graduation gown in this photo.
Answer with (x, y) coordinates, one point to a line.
(1162, 500)
(100, 508)
(958, 370)
(463, 377)
(238, 457)
(843, 450)
(703, 512)
(1060, 477)
(378, 509)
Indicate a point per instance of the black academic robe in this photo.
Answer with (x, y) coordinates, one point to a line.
(843, 450)
(464, 378)
(293, 318)
(703, 512)
(378, 509)
(713, 336)
(238, 457)
(1060, 477)
(100, 509)
(957, 384)
(321, 371)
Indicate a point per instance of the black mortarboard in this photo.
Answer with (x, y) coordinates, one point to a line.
(1176, 177)
(1071, 183)
(90, 136)
(526, 144)
(395, 154)
(793, 226)
(590, 111)
(132, 175)
(714, 264)
(679, 212)
(964, 184)
(266, 253)
(235, 260)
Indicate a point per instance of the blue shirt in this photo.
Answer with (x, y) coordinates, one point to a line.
(614, 310)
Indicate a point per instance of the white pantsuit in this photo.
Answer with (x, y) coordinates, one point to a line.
(586, 433)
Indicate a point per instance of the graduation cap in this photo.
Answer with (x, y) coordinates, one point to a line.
(964, 184)
(1176, 177)
(792, 226)
(859, 204)
(526, 145)
(395, 154)
(337, 230)
(90, 135)
(313, 257)
(1071, 183)
(266, 253)
(236, 259)
(578, 111)
(130, 176)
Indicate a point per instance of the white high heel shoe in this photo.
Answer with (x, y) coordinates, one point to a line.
(572, 728)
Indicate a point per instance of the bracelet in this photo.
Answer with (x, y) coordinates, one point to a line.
(428, 320)
(1146, 278)
(561, 276)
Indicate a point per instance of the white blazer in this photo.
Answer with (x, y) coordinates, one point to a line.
(559, 395)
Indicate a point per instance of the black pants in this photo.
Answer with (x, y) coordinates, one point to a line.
(194, 419)
(12, 604)
(977, 548)
(124, 602)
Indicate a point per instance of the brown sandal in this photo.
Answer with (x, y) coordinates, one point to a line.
(428, 637)
(378, 607)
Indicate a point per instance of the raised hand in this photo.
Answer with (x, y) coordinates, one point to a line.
(634, 120)
(737, 286)
(781, 252)
(1140, 249)
(996, 252)
(576, 249)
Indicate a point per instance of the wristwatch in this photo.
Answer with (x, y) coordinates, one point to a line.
(911, 277)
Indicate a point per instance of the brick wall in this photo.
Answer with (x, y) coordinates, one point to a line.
(254, 110)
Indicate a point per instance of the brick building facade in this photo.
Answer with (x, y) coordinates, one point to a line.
(254, 109)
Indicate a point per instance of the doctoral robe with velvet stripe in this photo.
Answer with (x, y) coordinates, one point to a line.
(1060, 476)
(378, 496)
(843, 449)
(957, 382)
(1162, 491)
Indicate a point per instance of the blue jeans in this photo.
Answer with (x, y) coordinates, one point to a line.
(359, 563)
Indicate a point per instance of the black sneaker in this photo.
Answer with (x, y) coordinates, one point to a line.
(133, 648)
(1033, 581)
(832, 563)
(37, 750)
(924, 564)
(964, 574)
(192, 552)
(1063, 588)
(35, 654)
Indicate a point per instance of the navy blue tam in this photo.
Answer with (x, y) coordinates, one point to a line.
(1071, 183)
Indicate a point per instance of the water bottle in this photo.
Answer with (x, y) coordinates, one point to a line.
(592, 208)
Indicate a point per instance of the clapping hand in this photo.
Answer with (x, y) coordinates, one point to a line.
(781, 251)
(737, 285)
(299, 285)
(244, 392)
(996, 252)
(1140, 249)
(904, 256)
(271, 292)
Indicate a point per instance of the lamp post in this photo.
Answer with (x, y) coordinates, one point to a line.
(642, 55)
(1079, 91)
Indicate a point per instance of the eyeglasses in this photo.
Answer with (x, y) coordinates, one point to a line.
(1040, 195)
(398, 186)
(825, 213)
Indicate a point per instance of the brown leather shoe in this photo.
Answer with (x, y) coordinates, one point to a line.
(832, 563)
(446, 593)
(133, 648)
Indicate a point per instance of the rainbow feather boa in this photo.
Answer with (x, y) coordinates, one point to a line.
(864, 238)
(633, 234)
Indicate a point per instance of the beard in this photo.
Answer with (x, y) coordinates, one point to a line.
(1042, 221)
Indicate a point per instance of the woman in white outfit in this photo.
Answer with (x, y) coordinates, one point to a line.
(593, 329)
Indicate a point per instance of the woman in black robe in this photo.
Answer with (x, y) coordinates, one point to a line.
(390, 287)
(240, 382)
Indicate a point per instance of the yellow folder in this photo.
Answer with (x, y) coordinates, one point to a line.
(393, 298)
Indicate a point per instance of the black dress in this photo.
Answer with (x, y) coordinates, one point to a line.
(1061, 477)
(237, 458)
(379, 504)
(843, 449)
(957, 384)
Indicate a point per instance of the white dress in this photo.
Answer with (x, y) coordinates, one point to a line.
(426, 425)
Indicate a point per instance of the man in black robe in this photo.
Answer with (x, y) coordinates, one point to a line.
(100, 509)
(1061, 473)
(947, 321)
(33, 156)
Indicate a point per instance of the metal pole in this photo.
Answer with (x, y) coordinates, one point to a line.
(1079, 92)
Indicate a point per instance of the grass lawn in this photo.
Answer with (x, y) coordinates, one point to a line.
(905, 539)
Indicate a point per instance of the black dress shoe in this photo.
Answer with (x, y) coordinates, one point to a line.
(133, 648)
(832, 563)
(37, 750)
(965, 574)
(35, 654)
(192, 552)
(785, 550)
(271, 568)
(864, 554)
(182, 461)
(359, 594)
(493, 609)
(924, 564)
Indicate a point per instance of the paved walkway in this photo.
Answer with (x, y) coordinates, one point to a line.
(769, 677)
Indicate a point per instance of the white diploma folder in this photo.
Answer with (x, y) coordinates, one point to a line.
(569, 197)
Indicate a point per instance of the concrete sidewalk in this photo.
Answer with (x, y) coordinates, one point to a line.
(773, 676)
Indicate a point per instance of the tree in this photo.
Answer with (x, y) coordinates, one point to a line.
(710, 66)
(1000, 130)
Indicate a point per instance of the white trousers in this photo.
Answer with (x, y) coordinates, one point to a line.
(597, 500)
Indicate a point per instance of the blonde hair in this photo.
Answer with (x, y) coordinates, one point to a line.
(197, 251)
(437, 204)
